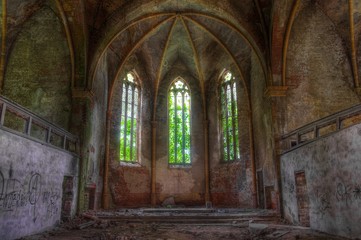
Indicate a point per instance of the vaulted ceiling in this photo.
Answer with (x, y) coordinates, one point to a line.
(203, 35)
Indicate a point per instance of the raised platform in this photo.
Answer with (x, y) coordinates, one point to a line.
(189, 215)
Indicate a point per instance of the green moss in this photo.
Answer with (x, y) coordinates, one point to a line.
(38, 72)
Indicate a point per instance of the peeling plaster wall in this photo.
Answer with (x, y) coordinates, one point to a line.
(31, 185)
(89, 123)
(332, 167)
(38, 71)
(318, 71)
(95, 134)
(185, 184)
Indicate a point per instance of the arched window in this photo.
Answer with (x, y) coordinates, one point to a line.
(179, 123)
(129, 119)
(229, 118)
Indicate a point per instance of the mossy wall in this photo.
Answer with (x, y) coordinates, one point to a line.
(38, 71)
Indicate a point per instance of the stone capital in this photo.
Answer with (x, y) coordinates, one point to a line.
(276, 91)
(81, 93)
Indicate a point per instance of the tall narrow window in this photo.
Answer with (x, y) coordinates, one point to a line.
(179, 124)
(129, 119)
(229, 118)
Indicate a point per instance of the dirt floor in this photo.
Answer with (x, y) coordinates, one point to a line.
(179, 225)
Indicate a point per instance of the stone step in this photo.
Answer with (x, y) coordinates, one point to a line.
(186, 219)
(176, 210)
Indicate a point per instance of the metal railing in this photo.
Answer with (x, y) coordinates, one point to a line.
(320, 129)
(20, 121)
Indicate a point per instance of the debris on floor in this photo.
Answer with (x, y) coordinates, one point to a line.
(179, 224)
(277, 234)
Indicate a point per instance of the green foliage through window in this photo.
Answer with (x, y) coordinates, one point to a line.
(129, 119)
(229, 118)
(179, 124)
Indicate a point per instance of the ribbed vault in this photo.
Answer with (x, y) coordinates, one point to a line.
(205, 45)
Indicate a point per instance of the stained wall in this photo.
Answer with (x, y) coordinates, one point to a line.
(331, 165)
(263, 132)
(38, 71)
(31, 186)
(129, 183)
(319, 73)
(230, 182)
(185, 183)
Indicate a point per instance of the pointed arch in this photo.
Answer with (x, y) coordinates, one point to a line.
(229, 128)
(129, 118)
(179, 124)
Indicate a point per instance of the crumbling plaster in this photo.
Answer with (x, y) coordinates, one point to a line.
(31, 185)
(38, 70)
(331, 166)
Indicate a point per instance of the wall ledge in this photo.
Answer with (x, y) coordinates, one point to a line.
(276, 91)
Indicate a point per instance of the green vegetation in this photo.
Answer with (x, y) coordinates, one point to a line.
(128, 144)
(229, 118)
(179, 124)
(128, 121)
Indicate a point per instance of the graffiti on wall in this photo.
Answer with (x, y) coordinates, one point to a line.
(323, 204)
(357, 192)
(344, 193)
(288, 184)
(29, 192)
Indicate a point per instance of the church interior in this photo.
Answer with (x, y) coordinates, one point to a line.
(201, 105)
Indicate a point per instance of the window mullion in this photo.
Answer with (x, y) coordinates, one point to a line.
(236, 121)
(227, 117)
(125, 121)
(122, 117)
(175, 126)
(183, 129)
(132, 125)
(233, 120)
(179, 127)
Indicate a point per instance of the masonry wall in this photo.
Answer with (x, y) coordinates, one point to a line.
(186, 184)
(263, 139)
(38, 70)
(230, 182)
(332, 168)
(94, 139)
(31, 186)
(319, 71)
(129, 183)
